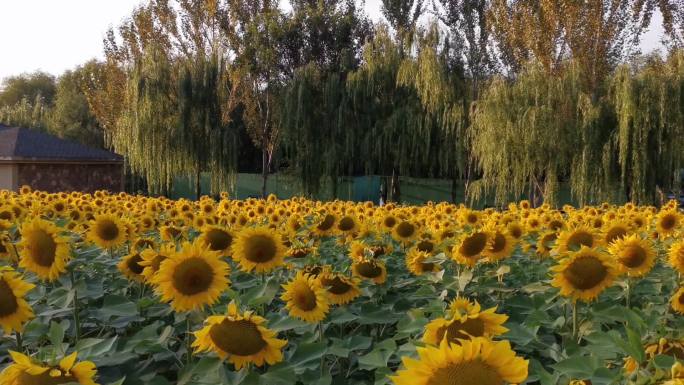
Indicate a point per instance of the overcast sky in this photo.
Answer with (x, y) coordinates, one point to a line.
(55, 35)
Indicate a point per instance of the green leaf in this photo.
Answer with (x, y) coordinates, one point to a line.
(577, 366)
(56, 332)
(308, 356)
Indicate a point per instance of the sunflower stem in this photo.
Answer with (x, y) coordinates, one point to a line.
(320, 339)
(15, 261)
(574, 320)
(627, 293)
(20, 342)
(77, 320)
(188, 341)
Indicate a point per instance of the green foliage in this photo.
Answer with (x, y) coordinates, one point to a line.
(15, 89)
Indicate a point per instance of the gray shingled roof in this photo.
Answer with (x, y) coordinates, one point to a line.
(24, 144)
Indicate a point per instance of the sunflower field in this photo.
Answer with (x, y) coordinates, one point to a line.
(121, 289)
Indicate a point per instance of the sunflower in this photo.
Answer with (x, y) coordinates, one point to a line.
(151, 259)
(584, 274)
(325, 225)
(240, 338)
(107, 231)
(6, 249)
(130, 266)
(614, 231)
(24, 371)
(259, 249)
(545, 243)
(667, 222)
(575, 238)
(502, 245)
(515, 230)
(43, 251)
(357, 250)
(389, 221)
(635, 256)
(677, 301)
(305, 298)
(347, 224)
(477, 361)
(171, 233)
(471, 248)
(676, 256)
(217, 238)
(468, 321)
(341, 290)
(14, 310)
(416, 262)
(372, 269)
(404, 231)
(191, 278)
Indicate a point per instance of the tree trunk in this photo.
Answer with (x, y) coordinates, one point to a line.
(395, 191)
(198, 184)
(264, 172)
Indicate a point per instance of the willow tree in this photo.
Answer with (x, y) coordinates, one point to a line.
(440, 89)
(163, 94)
(649, 104)
(324, 42)
(524, 133)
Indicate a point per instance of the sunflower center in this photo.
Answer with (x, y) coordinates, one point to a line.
(466, 373)
(427, 266)
(579, 239)
(193, 276)
(133, 264)
(241, 338)
(42, 248)
(260, 248)
(585, 273)
(156, 262)
(615, 233)
(405, 229)
(668, 222)
(172, 232)
(633, 256)
(555, 224)
(472, 327)
(346, 224)
(515, 231)
(327, 223)
(472, 218)
(305, 298)
(107, 230)
(8, 301)
(369, 270)
(44, 379)
(499, 243)
(336, 285)
(389, 222)
(425, 246)
(681, 299)
(218, 239)
(473, 245)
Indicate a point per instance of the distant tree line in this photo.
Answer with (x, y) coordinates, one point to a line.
(510, 96)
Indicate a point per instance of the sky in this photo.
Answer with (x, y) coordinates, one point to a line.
(56, 35)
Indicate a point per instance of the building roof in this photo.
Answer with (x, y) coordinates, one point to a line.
(25, 145)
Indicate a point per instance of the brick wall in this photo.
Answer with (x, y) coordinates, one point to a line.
(71, 177)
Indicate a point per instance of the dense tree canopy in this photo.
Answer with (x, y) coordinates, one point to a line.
(514, 97)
